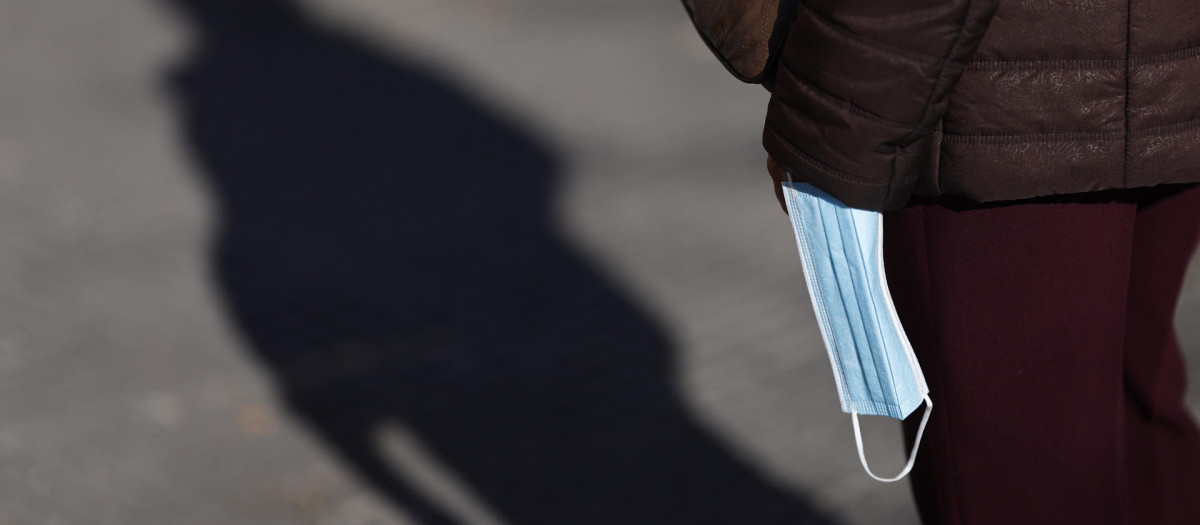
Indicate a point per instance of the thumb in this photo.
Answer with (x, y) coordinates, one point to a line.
(778, 177)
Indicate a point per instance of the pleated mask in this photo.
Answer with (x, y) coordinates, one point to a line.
(841, 249)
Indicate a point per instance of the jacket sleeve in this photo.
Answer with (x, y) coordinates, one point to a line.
(859, 87)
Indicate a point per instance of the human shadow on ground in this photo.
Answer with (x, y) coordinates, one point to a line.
(386, 245)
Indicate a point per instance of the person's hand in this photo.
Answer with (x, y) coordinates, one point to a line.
(779, 176)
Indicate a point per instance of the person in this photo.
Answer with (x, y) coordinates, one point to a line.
(1037, 165)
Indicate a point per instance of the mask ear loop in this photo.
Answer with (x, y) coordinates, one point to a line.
(912, 458)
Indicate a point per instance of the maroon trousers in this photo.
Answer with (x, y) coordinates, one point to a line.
(1045, 329)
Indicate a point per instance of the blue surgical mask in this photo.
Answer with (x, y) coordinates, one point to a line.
(841, 249)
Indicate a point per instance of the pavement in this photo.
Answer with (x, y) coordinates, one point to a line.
(405, 262)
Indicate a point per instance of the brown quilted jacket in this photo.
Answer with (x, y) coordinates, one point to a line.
(875, 101)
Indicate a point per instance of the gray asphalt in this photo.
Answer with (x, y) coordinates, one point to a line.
(154, 370)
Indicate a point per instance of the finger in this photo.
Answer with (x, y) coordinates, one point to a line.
(778, 176)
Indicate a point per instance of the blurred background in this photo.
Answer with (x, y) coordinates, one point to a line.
(341, 262)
